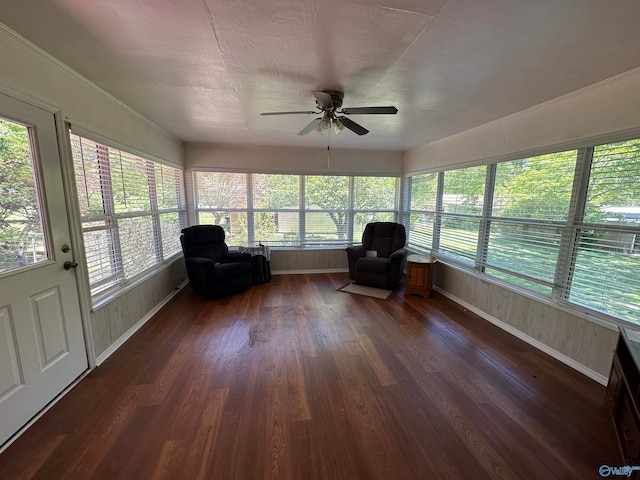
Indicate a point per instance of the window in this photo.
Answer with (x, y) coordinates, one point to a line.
(374, 201)
(530, 209)
(221, 199)
(326, 204)
(421, 200)
(132, 210)
(606, 273)
(460, 212)
(22, 239)
(564, 225)
(293, 210)
(276, 204)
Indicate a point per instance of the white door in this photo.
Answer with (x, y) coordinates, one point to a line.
(42, 347)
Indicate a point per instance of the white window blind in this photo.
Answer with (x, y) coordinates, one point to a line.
(132, 210)
(460, 213)
(565, 225)
(530, 209)
(606, 272)
(421, 193)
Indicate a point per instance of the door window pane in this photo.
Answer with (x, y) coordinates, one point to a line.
(22, 241)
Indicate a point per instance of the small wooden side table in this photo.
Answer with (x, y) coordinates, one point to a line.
(418, 280)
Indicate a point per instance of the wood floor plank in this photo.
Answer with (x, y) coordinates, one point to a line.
(295, 380)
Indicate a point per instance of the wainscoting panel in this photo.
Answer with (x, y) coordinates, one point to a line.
(114, 319)
(307, 260)
(587, 343)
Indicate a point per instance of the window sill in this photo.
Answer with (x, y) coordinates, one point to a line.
(121, 289)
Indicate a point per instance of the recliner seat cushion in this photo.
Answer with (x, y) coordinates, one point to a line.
(373, 265)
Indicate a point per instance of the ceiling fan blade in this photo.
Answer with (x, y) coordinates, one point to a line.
(314, 123)
(353, 126)
(289, 113)
(324, 100)
(370, 110)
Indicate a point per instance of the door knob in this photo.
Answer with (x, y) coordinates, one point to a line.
(69, 265)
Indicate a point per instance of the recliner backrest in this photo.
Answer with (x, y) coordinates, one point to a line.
(384, 237)
(204, 241)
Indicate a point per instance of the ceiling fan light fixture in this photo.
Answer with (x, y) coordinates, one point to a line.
(325, 124)
(337, 126)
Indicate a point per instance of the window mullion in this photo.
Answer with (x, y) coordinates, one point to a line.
(438, 213)
(153, 201)
(570, 235)
(350, 210)
(106, 188)
(485, 224)
(250, 211)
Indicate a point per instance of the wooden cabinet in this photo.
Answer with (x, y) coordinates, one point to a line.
(623, 393)
(418, 279)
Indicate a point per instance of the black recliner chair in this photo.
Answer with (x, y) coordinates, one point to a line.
(384, 270)
(212, 269)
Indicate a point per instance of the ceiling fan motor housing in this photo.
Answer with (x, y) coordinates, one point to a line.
(336, 98)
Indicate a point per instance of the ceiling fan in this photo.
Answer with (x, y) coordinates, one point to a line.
(329, 105)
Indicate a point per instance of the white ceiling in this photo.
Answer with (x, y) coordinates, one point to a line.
(205, 69)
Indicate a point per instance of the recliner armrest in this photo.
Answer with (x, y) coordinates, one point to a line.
(353, 254)
(357, 251)
(398, 255)
(238, 257)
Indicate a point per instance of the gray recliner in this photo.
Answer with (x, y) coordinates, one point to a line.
(384, 270)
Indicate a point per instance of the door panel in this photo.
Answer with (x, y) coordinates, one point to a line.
(49, 326)
(42, 347)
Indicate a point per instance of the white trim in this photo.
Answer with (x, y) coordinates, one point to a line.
(126, 286)
(75, 233)
(28, 99)
(601, 379)
(129, 333)
(309, 271)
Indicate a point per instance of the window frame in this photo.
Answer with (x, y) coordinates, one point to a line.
(304, 241)
(569, 240)
(155, 172)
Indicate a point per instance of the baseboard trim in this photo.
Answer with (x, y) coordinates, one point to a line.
(309, 271)
(601, 379)
(129, 333)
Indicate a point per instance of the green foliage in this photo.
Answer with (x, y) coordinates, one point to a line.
(614, 181)
(19, 216)
(464, 190)
(535, 188)
(424, 189)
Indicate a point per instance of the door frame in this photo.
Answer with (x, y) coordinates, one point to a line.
(73, 211)
(61, 128)
(75, 232)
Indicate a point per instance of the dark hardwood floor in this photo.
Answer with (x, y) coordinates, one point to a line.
(294, 380)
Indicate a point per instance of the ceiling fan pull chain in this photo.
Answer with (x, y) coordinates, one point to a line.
(329, 150)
